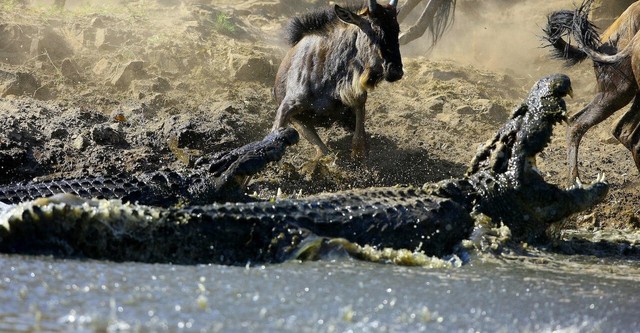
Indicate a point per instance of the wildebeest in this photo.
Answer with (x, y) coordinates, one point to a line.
(337, 55)
(616, 57)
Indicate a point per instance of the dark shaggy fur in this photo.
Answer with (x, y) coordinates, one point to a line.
(314, 22)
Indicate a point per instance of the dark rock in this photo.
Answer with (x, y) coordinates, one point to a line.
(59, 133)
(104, 135)
(465, 109)
(69, 70)
(161, 85)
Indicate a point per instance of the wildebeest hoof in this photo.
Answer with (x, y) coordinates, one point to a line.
(318, 167)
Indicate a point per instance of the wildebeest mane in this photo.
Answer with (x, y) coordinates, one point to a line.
(573, 25)
(318, 21)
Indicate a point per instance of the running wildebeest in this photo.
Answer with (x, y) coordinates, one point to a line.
(337, 55)
(616, 56)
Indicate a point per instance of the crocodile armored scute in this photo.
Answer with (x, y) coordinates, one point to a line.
(432, 219)
(116, 186)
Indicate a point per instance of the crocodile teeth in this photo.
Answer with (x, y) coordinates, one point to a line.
(577, 184)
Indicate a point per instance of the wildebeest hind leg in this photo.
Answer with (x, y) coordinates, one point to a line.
(600, 108)
(627, 130)
(285, 111)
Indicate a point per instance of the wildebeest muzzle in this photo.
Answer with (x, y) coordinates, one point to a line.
(393, 72)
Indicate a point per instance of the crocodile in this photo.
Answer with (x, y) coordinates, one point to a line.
(502, 183)
(216, 178)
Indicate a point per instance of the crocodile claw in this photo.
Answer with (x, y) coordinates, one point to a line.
(601, 178)
(577, 184)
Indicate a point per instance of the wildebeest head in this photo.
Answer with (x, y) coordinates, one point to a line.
(380, 24)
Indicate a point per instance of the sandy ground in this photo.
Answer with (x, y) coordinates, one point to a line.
(136, 86)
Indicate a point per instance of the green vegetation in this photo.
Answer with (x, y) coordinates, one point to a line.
(223, 23)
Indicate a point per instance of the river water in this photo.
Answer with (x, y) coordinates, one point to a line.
(548, 293)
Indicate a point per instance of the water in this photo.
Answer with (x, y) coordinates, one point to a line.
(551, 293)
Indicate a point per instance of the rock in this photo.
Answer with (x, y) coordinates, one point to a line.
(142, 88)
(58, 133)
(50, 44)
(497, 113)
(443, 75)
(69, 70)
(491, 111)
(97, 22)
(105, 135)
(17, 83)
(251, 68)
(160, 85)
(102, 67)
(15, 42)
(107, 39)
(464, 109)
(133, 70)
(80, 142)
(435, 104)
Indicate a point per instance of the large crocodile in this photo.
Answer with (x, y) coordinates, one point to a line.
(502, 183)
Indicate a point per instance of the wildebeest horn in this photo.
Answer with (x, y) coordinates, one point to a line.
(393, 3)
(372, 5)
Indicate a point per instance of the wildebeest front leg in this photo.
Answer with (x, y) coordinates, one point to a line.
(603, 105)
(359, 146)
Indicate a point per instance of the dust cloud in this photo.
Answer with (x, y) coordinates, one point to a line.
(495, 35)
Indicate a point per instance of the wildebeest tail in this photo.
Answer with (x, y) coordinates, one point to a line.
(572, 25)
(584, 32)
(442, 20)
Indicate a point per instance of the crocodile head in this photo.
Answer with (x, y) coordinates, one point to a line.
(509, 186)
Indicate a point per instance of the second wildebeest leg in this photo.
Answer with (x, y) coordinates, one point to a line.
(627, 130)
(603, 105)
(309, 133)
(359, 144)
